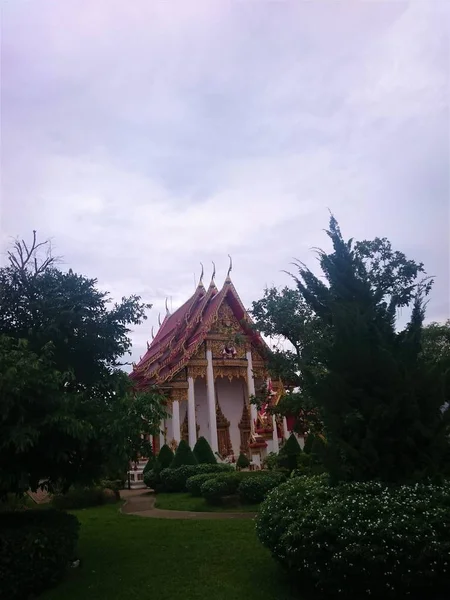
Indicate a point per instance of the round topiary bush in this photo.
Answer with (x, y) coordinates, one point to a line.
(183, 456)
(203, 452)
(174, 480)
(360, 539)
(36, 548)
(252, 490)
(194, 483)
(215, 489)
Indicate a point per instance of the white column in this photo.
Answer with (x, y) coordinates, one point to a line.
(191, 413)
(285, 429)
(251, 389)
(161, 434)
(176, 420)
(211, 402)
(276, 446)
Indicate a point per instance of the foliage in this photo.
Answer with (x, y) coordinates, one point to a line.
(79, 497)
(152, 478)
(112, 484)
(36, 547)
(270, 461)
(150, 464)
(289, 453)
(214, 490)
(194, 483)
(380, 400)
(174, 480)
(242, 461)
(183, 456)
(188, 502)
(165, 457)
(203, 452)
(254, 489)
(67, 411)
(360, 539)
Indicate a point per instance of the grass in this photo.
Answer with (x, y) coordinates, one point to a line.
(125, 557)
(191, 503)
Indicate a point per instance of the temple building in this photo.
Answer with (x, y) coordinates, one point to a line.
(209, 360)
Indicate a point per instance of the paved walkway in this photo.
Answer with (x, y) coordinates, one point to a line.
(142, 504)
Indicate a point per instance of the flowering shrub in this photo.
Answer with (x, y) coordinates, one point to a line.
(254, 489)
(360, 539)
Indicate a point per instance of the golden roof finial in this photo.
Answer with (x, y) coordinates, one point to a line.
(214, 271)
(200, 283)
(159, 319)
(230, 268)
(153, 333)
(167, 307)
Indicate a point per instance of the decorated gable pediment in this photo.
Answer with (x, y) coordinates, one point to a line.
(226, 323)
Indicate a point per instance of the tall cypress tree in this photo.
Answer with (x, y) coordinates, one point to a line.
(381, 403)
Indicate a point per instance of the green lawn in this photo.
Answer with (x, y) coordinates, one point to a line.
(188, 502)
(126, 557)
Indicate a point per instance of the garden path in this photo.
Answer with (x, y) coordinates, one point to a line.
(142, 504)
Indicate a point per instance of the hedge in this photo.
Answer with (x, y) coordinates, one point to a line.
(242, 461)
(36, 547)
(360, 540)
(253, 490)
(214, 490)
(174, 480)
(194, 483)
(84, 497)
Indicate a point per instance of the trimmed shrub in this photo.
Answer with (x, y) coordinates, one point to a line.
(194, 483)
(36, 547)
(165, 457)
(215, 489)
(78, 497)
(289, 453)
(183, 456)
(174, 480)
(203, 452)
(360, 540)
(242, 461)
(253, 490)
(150, 464)
(109, 484)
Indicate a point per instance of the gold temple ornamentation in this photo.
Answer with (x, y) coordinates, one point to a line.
(245, 428)
(179, 394)
(223, 432)
(230, 372)
(196, 371)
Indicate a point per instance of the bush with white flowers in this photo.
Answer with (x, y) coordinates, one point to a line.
(360, 539)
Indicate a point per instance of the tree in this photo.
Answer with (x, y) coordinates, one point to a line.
(380, 400)
(183, 456)
(203, 452)
(68, 412)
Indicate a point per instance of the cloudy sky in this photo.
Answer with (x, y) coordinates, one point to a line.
(145, 137)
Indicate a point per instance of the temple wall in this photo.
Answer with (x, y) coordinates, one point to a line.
(231, 398)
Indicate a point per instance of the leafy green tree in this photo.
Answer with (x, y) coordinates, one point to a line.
(183, 456)
(68, 413)
(380, 400)
(203, 452)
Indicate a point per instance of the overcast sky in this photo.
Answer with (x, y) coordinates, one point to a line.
(145, 137)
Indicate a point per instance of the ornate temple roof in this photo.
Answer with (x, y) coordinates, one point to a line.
(182, 332)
